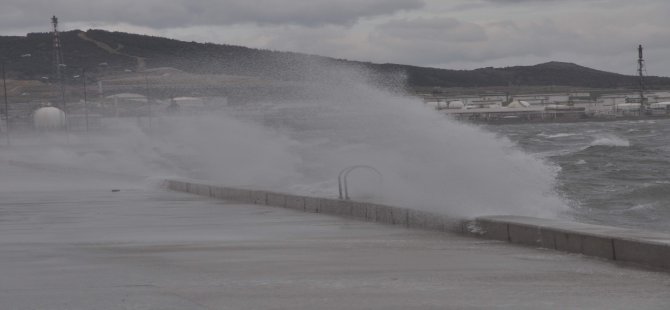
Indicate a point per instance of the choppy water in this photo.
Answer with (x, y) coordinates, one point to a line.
(614, 173)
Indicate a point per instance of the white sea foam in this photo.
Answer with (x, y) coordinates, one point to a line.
(610, 140)
(558, 135)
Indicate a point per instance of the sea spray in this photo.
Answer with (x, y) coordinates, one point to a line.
(427, 161)
(610, 140)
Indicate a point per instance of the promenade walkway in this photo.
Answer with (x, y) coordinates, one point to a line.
(69, 245)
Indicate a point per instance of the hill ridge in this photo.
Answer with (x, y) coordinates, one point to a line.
(141, 64)
(90, 48)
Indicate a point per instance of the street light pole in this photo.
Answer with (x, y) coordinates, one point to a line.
(4, 86)
(83, 76)
(63, 103)
(146, 86)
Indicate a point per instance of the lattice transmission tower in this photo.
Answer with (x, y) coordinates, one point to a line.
(640, 72)
(58, 61)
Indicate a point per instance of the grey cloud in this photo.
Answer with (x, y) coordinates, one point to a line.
(600, 33)
(517, 1)
(431, 41)
(450, 43)
(179, 13)
(432, 29)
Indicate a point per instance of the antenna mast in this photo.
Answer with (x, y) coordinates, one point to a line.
(640, 71)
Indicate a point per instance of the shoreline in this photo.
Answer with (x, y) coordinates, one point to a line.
(592, 119)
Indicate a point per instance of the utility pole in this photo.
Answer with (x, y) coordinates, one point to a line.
(4, 86)
(146, 86)
(83, 77)
(640, 71)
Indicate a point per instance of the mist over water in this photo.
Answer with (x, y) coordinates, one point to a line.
(427, 161)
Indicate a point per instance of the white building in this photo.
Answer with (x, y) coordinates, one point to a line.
(128, 97)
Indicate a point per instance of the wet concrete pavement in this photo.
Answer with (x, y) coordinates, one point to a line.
(67, 241)
(146, 248)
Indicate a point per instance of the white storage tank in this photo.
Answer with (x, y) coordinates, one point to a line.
(49, 118)
(455, 104)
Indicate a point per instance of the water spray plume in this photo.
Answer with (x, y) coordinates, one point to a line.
(341, 117)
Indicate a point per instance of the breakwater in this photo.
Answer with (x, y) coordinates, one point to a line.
(617, 244)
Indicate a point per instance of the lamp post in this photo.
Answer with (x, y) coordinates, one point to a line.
(83, 77)
(4, 86)
(6, 101)
(63, 103)
(146, 86)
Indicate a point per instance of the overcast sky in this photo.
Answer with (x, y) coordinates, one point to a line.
(454, 34)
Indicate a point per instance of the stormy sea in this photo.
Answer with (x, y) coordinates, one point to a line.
(612, 173)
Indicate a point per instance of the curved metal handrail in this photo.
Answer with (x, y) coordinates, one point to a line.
(344, 173)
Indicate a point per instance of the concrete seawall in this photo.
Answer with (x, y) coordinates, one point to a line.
(613, 243)
(345, 208)
(617, 244)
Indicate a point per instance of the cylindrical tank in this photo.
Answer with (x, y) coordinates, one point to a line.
(455, 104)
(49, 118)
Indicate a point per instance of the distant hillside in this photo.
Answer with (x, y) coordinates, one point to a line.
(103, 52)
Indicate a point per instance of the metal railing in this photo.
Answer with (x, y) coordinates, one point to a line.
(342, 179)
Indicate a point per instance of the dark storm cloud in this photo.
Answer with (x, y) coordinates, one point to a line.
(179, 13)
